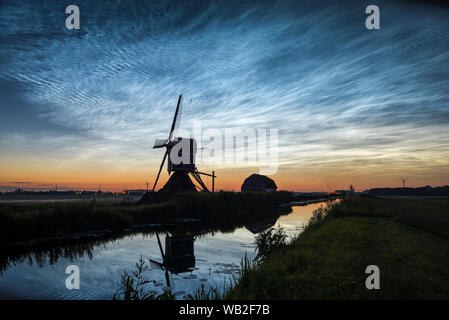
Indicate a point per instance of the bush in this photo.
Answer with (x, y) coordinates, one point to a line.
(320, 214)
(270, 241)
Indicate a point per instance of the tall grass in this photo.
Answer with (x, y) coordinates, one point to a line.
(29, 221)
(132, 284)
(20, 222)
(215, 292)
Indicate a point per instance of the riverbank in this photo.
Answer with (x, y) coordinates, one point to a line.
(30, 221)
(408, 239)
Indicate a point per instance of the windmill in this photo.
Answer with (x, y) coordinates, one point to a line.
(179, 170)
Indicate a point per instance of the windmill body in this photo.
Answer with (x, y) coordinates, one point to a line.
(181, 154)
(186, 151)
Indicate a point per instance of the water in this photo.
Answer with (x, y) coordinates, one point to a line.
(217, 257)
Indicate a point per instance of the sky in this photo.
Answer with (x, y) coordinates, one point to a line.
(81, 108)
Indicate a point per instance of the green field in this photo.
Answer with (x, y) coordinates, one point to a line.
(408, 239)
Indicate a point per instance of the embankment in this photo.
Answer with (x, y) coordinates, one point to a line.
(408, 239)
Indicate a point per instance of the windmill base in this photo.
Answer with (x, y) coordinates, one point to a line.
(179, 181)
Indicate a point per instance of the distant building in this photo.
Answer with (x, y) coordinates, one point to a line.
(257, 182)
(341, 192)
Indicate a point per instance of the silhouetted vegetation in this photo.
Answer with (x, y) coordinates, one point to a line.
(132, 285)
(20, 222)
(216, 293)
(426, 191)
(319, 215)
(269, 241)
(24, 221)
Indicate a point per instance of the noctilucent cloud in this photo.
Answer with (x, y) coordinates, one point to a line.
(82, 108)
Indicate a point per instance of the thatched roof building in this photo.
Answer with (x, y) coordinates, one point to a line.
(257, 182)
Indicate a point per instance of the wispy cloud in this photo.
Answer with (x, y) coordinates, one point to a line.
(341, 96)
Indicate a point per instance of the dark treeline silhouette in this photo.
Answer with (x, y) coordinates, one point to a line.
(30, 221)
(420, 191)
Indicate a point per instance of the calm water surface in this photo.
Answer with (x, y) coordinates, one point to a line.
(217, 256)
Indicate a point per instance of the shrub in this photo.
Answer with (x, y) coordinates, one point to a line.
(270, 241)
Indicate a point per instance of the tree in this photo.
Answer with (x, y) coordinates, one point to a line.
(351, 190)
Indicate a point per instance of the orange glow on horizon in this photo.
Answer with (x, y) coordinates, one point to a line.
(110, 179)
(20, 173)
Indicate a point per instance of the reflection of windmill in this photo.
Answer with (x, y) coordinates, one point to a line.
(181, 161)
(178, 257)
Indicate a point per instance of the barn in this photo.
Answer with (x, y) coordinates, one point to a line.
(257, 182)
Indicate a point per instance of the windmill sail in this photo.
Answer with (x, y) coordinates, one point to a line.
(173, 125)
(160, 169)
(159, 143)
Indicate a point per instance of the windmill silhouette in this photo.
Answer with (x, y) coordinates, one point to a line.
(181, 153)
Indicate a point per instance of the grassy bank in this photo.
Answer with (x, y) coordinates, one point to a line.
(406, 238)
(26, 221)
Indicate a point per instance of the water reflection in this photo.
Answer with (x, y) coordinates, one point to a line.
(183, 233)
(179, 253)
(51, 251)
(215, 249)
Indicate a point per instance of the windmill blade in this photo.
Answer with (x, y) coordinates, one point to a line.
(160, 169)
(159, 143)
(167, 278)
(156, 264)
(174, 119)
(160, 247)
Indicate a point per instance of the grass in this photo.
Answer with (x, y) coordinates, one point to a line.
(27, 221)
(406, 238)
(430, 214)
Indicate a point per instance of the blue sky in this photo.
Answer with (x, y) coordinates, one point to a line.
(350, 104)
